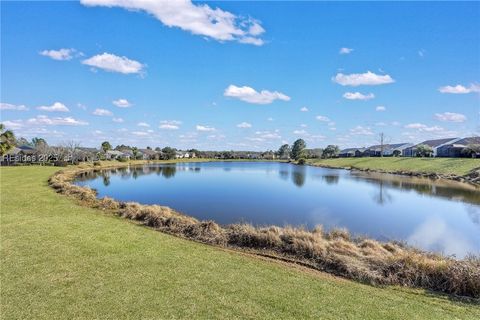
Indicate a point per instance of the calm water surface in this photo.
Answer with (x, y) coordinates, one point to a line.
(433, 215)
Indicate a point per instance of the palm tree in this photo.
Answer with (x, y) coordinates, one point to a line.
(7, 140)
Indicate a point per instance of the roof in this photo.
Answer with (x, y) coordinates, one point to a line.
(115, 152)
(400, 146)
(148, 151)
(468, 140)
(92, 150)
(352, 150)
(437, 142)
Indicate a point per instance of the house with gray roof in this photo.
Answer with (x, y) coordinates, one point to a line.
(434, 144)
(458, 148)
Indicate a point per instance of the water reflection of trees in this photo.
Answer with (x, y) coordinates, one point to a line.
(421, 186)
(299, 175)
(283, 174)
(166, 171)
(330, 178)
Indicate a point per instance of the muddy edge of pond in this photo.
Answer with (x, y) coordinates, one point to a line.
(337, 252)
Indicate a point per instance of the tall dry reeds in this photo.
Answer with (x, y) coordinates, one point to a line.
(336, 251)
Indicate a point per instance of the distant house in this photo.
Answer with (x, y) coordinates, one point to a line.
(116, 155)
(20, 154)
(434, 144)
(398, 148)
(87, 154)
(183, 154)
(351, 152)
(269, 155)
(455, 149)
(149, 154)
(388, 149)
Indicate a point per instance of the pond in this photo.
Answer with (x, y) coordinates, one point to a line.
(440, 216)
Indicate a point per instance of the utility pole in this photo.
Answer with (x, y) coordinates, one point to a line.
(381, 137)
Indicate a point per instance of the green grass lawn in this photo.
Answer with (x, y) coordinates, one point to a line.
(60, 260)
(455, 166)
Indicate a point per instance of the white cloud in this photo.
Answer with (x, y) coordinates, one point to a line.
(450, 117)
(345, 50)
(362, 131)
(357, 79)
(423, 127)
(459, 89)
(56, 107)
(140, 133)
(118, 120)
(244, 125)
(300, 132)
(61, 54)
(358, 96)
(112, 63)
(421, 53)
(122, 103)
(250, 95)
(169, 124)
(13, 107)
(198, 19)
(205, 128)
(308, 136)
(380, 108)
(15, 124)
(323, 118)
(102, 112)
(143, 124)
(265, 135)
(270, 119)
(304, 109)
(57, 121)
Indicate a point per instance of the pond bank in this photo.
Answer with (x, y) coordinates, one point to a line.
(336, 251)
(461, 170)
(61, 260)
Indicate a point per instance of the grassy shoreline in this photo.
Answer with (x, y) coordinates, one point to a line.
(364, 260)
(444, 166)
(62, 260)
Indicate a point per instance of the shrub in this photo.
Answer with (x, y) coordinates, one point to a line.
(301, 161)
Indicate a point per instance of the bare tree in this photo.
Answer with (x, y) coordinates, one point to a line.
(383, 141)
(72, 148)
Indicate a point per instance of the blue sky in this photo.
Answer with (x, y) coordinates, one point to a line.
(192, 74)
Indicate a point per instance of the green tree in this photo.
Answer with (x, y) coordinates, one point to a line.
(471, 150)
(39, 142)
(284, 152)
(135, 152)
(106, 146)
(424, 150)
(7, 140)
(298, 149)
(168, 153)
(330, 151)
(23, 142)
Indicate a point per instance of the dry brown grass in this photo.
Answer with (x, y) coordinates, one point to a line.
(364, 260)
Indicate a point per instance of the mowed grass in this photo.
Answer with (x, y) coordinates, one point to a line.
(63, 261)
(456, 166)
